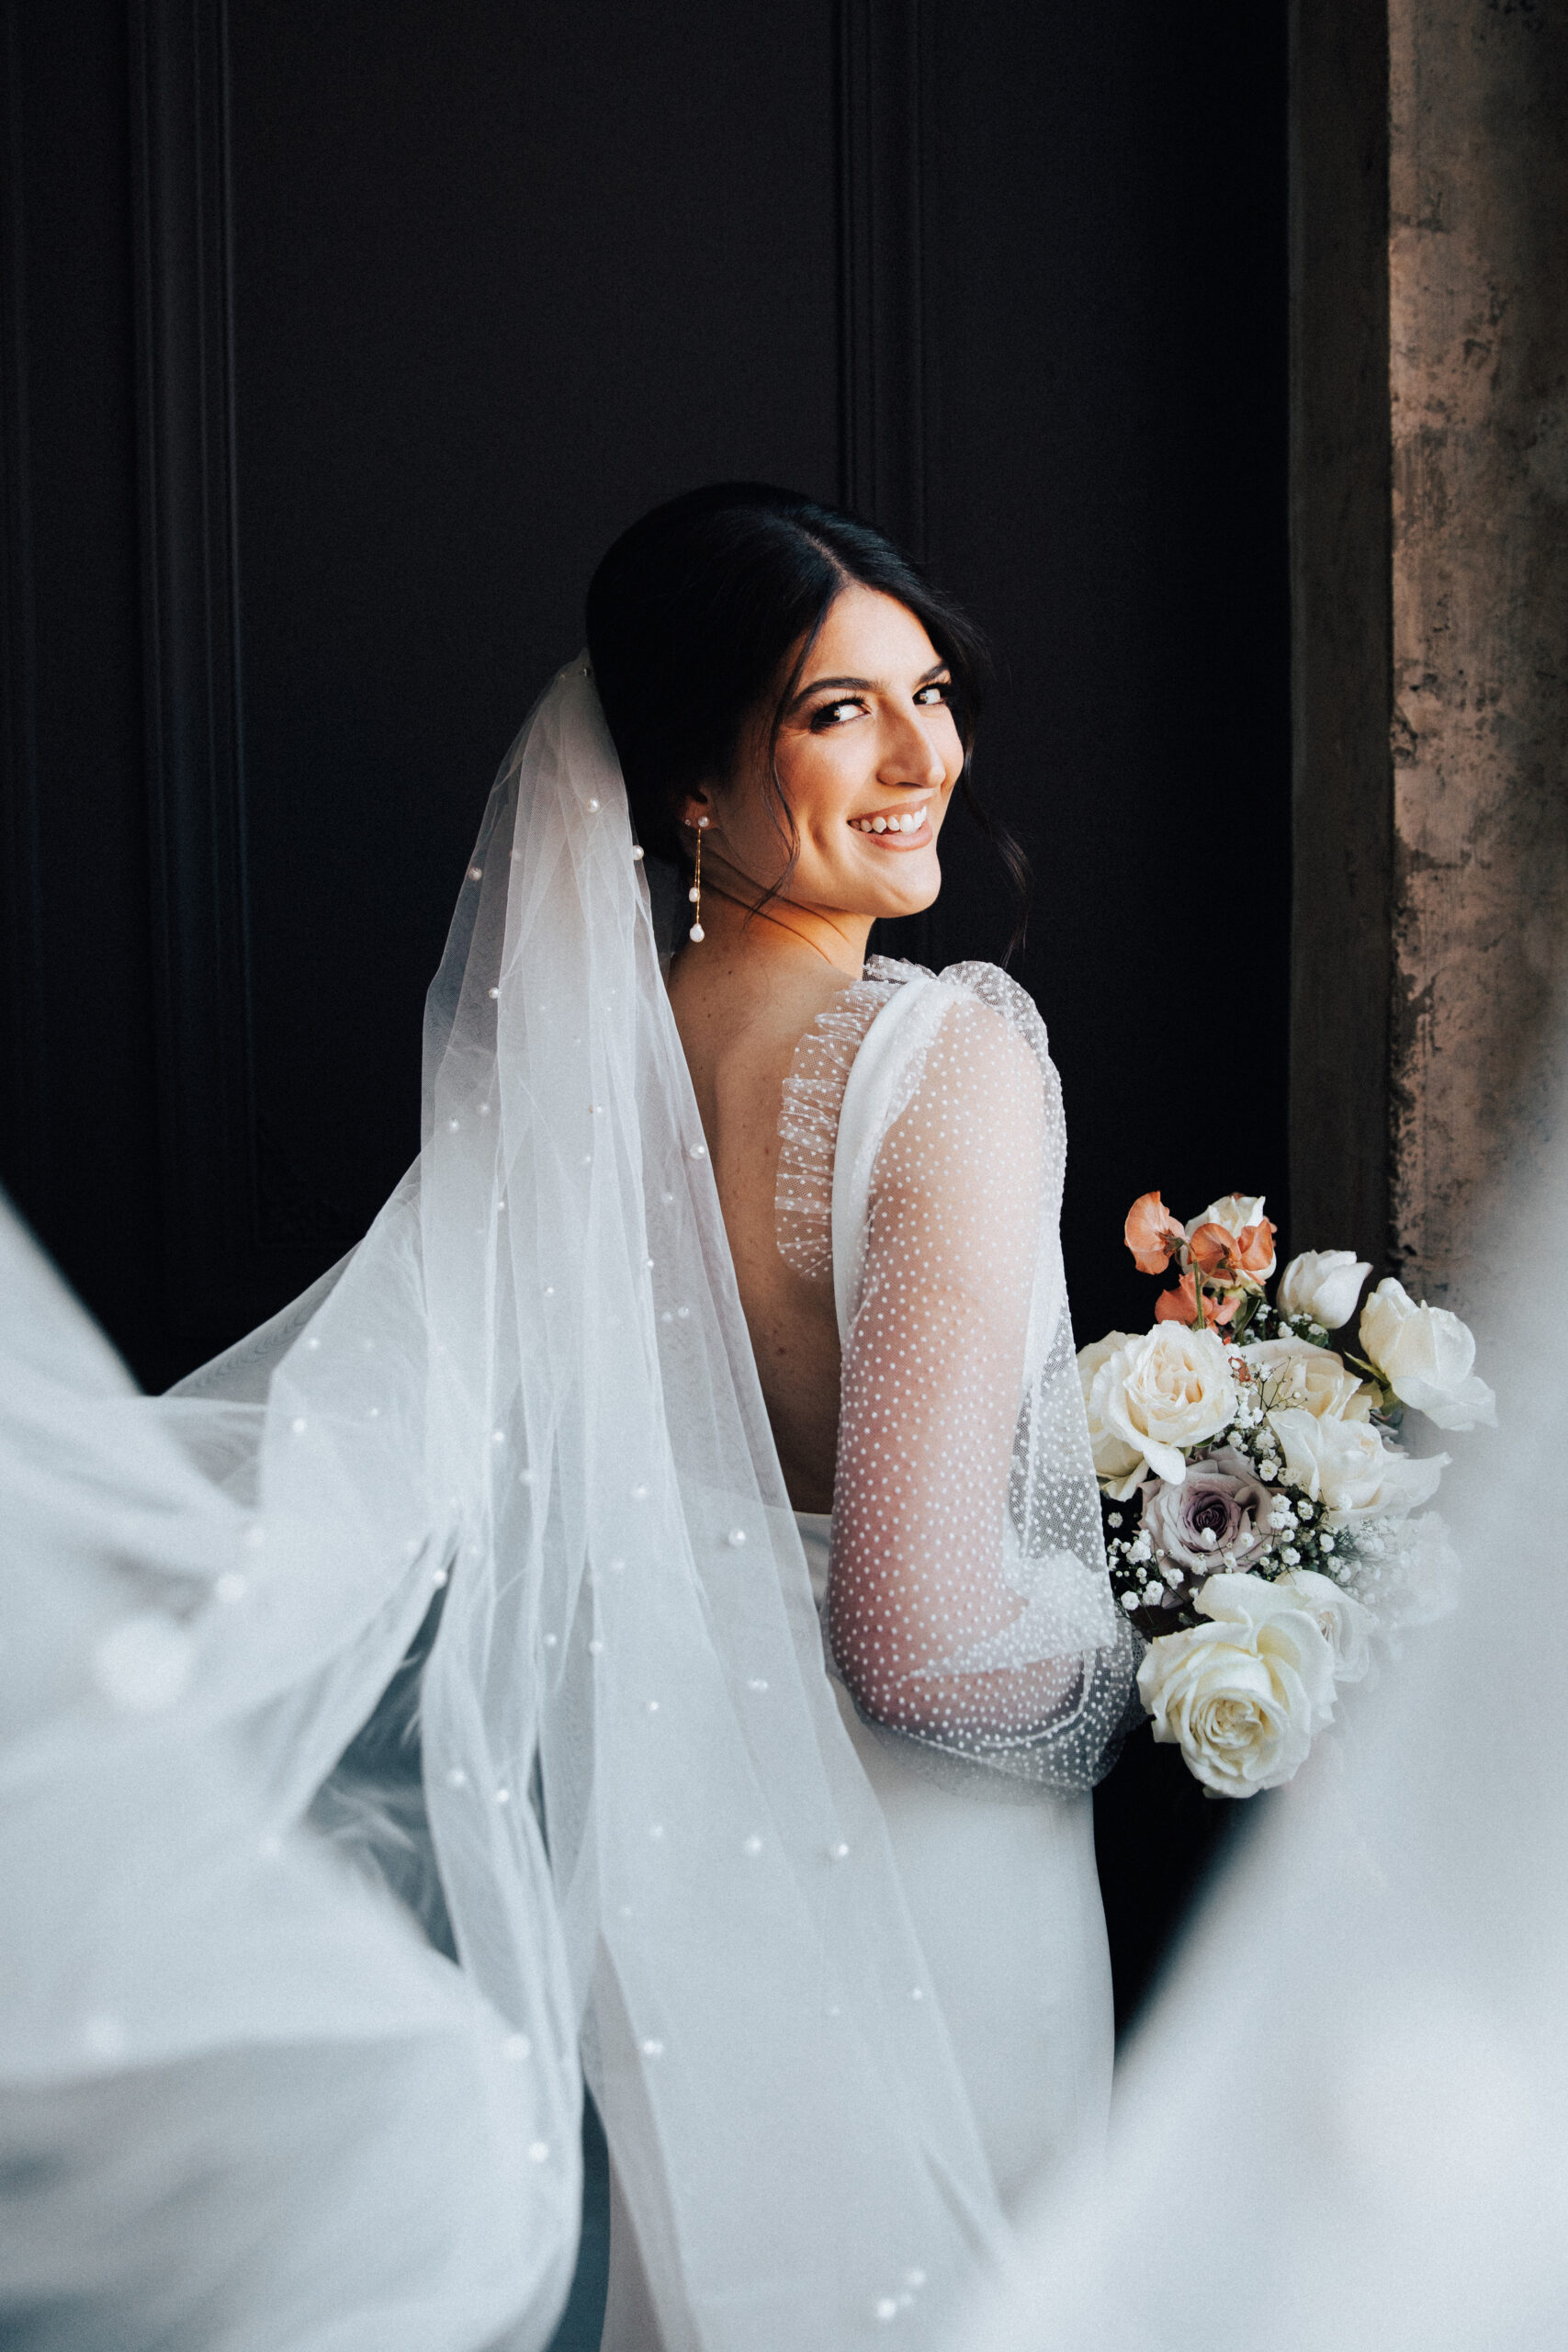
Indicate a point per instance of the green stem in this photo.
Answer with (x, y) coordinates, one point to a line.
(1385, 1385)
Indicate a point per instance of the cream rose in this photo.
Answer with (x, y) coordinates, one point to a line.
(1427, 1358)
(1235, 1213)
(1324, 1283)
(1172, 1387)
(1345, 1623)
(1347, 1466)
(1243, 1695)
(1117, 1465)
(1293, 1372)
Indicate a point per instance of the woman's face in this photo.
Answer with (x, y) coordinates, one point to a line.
(867, 741)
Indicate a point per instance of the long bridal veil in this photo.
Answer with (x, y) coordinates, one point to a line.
(509, 1462)
(510, 1459)
(1343, 2123)
(243, 2098)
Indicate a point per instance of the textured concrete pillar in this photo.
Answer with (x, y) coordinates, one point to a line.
(1430, 526)
(1478, 284)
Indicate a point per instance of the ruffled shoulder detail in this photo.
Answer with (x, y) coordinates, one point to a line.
(989, 985)
(809, 1122)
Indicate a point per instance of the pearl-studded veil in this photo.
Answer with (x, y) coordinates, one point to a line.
(511, 1456)
(782, 2105)
(1342, 2123)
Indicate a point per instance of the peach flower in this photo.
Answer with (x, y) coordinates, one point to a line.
(1178, 1305)
(1250, 1235)
(1152, 1233)
(1224, 1256)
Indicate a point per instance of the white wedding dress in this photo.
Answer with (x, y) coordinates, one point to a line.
(975, 1662)
(1006, 1903)
(999, 1874)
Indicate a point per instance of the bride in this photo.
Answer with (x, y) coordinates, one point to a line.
(793, 708)
(717, 1337)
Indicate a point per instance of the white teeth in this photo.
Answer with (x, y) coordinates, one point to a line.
(879, 824)
(910, 822)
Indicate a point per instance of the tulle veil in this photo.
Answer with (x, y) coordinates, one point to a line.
(517, 1438)
(1341, 2123)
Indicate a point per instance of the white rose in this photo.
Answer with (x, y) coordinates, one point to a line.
(1244, 1694)
(1347, 1466)
(1235, 1213)
(1118, 1467)
(1172, 1387)
(1426, 1356)
(1345, 1623)
(1293, 1372)
(1324, 1283)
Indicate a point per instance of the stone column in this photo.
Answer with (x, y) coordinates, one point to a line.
(1478, 281)
(1430, 556)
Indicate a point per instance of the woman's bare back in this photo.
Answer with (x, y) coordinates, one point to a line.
(740, 1025)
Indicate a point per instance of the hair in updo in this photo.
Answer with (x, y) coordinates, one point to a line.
(701, 619)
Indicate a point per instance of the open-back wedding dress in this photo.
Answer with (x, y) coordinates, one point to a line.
(510, 1459)
(960, 1578)
(921, 1175)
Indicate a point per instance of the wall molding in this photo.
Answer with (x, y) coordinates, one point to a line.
(237, 1227)
(182, 230)
(884, 392)
(25, 1113)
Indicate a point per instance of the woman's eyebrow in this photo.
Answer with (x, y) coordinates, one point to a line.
(863, 686)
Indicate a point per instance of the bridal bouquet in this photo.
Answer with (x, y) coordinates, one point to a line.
(1258, 1500)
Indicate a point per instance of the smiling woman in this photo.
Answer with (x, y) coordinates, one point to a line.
(794, 707)
(692, 1450)
(844, 739)
(864, 747)
(703, 682)
(780, 682)
(865, 765)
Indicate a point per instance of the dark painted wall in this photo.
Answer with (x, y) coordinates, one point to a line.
(504, 275)
(329, 366)
(1107, 324)
(1108, 310)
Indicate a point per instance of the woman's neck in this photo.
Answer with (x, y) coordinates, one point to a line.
(778, 934)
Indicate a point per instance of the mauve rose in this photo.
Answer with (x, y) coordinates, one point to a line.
(1219, 1497)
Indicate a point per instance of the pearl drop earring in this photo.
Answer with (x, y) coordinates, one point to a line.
(696, 893)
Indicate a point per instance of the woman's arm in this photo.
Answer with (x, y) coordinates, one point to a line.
(934, 1375)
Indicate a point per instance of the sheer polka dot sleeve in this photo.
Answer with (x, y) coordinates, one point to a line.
(969, 1608)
